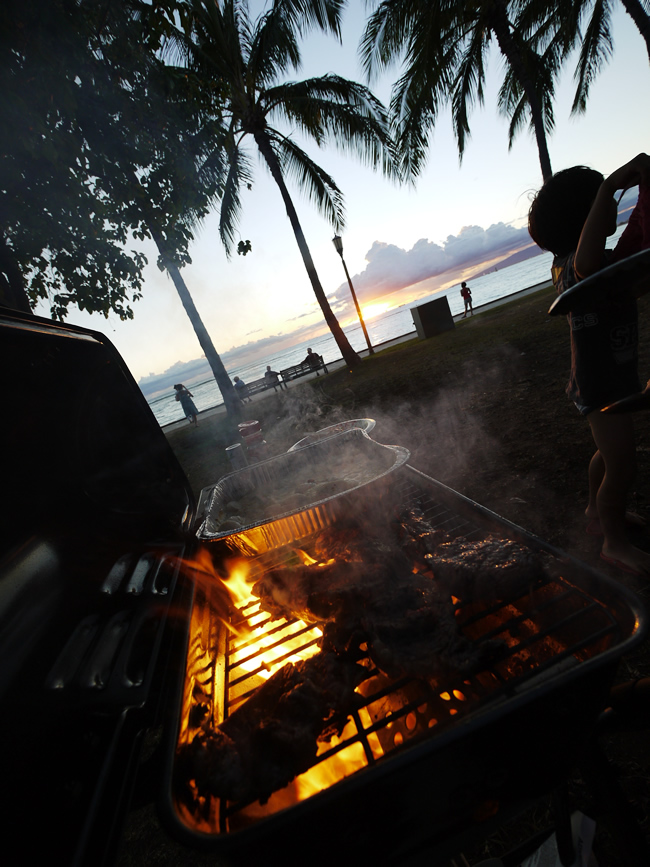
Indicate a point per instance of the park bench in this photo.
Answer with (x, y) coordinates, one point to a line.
(302, 369)
(257, 385)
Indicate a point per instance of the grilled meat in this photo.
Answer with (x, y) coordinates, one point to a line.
(322, 592)
(354, 542)
(484, 570)
(416, 538)
(373, 604)
(402, 617)
(489, 569)
(274, 736)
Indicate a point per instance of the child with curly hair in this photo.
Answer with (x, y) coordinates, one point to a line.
(572, 215)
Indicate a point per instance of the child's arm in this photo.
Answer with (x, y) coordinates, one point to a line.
(601, 221)
(636, 236)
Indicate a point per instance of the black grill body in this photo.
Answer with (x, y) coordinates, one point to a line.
(94, 616)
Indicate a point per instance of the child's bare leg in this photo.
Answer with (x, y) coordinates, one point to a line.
(614, 437)
(596, 474)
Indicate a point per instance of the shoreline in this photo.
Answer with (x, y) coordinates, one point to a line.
(339, 362)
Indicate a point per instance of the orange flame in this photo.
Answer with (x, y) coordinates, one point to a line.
(226, 592)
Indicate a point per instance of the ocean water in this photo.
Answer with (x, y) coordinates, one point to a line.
(397, 322)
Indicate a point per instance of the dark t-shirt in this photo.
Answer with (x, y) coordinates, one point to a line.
(604, 342)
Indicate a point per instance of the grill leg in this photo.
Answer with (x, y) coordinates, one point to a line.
(562, 820)
(601, 779)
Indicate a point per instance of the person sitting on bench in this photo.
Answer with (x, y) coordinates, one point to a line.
(273, 378)
(313, 360)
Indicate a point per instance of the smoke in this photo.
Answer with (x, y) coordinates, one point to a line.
(460, 433)
(305, 411)
(445, 430)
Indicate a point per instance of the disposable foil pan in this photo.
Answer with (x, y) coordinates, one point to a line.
(350, 461)
(366, 424)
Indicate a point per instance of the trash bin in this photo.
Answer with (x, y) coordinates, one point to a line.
(432, 318)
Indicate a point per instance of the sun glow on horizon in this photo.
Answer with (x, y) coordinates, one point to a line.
(371, 310)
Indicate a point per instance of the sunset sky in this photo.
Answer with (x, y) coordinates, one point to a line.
(456, 217)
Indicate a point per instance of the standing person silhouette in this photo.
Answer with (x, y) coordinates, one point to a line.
(185, 396)
(466, 295)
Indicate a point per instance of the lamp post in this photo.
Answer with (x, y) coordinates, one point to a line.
(338, 244)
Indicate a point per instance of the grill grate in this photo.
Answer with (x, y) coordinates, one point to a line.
(554, 626)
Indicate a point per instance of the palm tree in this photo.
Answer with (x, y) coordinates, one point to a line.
(445, 45)
(595, 39)
(165, 118)
(162, 140)
(247, 60)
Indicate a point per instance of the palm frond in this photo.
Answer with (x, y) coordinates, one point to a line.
(415, 104)
(512, 101)
(597, 49)
(386, 36)
(313, 181)
(239, 172)
(468, 86)
(274, 47)
(214, 43)
(406, 31)
(305, 15)
(333, 110)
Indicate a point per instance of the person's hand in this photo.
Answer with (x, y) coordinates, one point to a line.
(637, 171)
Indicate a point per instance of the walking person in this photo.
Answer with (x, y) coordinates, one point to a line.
(466, 295)
(185, 396)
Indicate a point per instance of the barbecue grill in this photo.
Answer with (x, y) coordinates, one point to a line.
(114, 628)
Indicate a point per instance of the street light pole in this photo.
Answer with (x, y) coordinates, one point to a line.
(338, 244)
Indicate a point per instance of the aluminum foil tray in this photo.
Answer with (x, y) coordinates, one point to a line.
(366, 424)
(275, 502)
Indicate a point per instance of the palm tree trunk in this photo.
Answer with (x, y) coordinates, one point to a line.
(231, 400)
(501, 26)
(227, 389)
(641, 18)
(350, 356)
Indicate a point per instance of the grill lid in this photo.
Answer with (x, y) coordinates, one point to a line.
(95, 510)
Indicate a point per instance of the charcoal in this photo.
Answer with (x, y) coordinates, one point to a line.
(274, 735)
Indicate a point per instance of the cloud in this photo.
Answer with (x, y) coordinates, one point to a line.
(391, 267)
